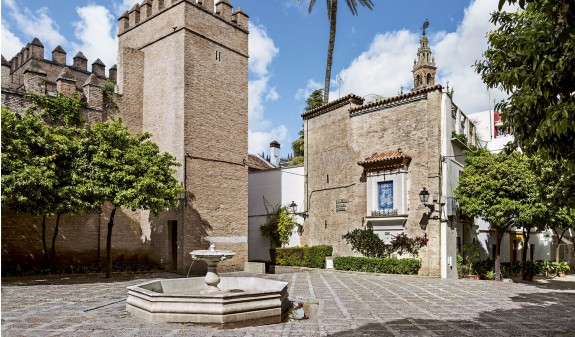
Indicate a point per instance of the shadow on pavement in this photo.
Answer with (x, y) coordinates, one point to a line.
(36, 280)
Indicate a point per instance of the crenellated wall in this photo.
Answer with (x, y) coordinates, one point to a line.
(29, 70)
(148, 9)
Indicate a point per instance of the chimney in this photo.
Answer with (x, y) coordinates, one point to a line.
(275, 153)
(59, 55)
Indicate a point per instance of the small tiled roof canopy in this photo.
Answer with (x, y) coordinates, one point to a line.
(256, 163)
(385, 160)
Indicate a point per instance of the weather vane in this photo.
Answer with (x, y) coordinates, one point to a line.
(425, 25)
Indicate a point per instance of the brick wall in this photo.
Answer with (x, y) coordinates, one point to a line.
(336, 142)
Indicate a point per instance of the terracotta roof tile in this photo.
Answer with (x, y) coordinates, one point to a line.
(257, 163)
(332, 106)
(394, 99)
(386, 159)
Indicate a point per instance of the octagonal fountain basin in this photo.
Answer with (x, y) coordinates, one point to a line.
(186, 300)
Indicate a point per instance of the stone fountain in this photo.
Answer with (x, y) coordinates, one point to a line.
(209, 299)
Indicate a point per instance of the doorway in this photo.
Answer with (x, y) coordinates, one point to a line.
(173, 243)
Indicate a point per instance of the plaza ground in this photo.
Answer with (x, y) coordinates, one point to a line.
(338, 303)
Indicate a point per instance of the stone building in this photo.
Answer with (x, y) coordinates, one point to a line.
(366, 164)
(182, 75)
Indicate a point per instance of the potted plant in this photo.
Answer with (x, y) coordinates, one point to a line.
(471, 254)
(562, 268)
(531, 269)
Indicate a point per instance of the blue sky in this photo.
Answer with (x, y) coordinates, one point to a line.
(374, 51)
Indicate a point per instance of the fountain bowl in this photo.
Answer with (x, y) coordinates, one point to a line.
(186, 300)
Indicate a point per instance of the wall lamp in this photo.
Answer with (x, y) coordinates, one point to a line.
(424, 198)
(293, 209)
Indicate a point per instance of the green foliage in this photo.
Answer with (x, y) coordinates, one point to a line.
(408, 266)
(561, 267)
(531, 55)
(461, 137)
(368, 244)
(490, 275)
(279, 226)
(312, 257)
(60, 110)
(471, 254)
(315, 100)
(108, 94)
(530, 268)
(128, 171)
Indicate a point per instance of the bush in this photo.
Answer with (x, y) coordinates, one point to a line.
(369, 244)
(408, 266)
(313, 257)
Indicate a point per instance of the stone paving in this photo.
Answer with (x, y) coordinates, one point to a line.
(340, 304)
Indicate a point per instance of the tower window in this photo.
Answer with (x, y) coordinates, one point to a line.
(428, 79)
(218, 56)
(418, 80)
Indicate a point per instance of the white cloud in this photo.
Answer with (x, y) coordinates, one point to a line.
(383, 68)
(272, 95)
(386, 65)
(96, 34)
(120, 6)
(304, 93)
(11, 44)
(262, 52)
(259, 140)
(35, 24)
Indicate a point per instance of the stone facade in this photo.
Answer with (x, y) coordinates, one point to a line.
(183, 71)
(404, 141)
(182, 75)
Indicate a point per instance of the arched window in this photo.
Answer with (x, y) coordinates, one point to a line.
(428, 79)
(418, 80)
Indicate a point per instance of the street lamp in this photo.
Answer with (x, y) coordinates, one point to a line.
(293, 209)
(424, 196)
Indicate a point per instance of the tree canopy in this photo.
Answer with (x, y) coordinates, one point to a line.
(127, 170)
(531, 55)
(499, 188)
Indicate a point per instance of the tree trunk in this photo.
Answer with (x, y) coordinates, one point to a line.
(109, 244)
(526, 236)
(44, 246)
(330, 46)
(559, 237)
(498, 255)
(54, 238)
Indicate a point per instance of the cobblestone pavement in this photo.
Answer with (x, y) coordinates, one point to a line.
(342, 304)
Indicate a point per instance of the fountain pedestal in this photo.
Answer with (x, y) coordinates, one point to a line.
(212, 258)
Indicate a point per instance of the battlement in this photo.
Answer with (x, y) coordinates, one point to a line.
(150, 8)
(29, 71)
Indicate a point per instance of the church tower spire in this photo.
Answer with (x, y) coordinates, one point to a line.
(424, 67)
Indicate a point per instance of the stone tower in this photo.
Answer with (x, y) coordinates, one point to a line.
(183, 76)
(424, 67)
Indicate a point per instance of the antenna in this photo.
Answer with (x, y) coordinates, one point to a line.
(339, 80)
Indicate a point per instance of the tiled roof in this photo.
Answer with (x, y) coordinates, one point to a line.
(392, 158)
(351, 98)
(394, 99)
(257, 163)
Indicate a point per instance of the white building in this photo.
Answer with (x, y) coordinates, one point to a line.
(269, 185)
(541, 246)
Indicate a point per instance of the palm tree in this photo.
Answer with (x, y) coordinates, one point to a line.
(332, 17)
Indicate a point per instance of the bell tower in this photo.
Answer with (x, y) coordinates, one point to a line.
(424, 66)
